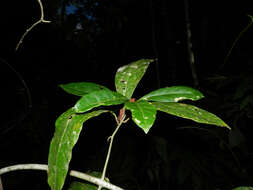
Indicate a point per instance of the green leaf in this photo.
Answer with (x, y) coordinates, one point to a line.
(87, 186)
(128, 76)
(98, 98)
(190, 112)
(67, 129)
(143, 114)
(243, 188)
(173, 94)
(81, 88)
(97, 174)
(82, 186)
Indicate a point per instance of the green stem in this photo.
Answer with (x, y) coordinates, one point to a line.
(122, 120)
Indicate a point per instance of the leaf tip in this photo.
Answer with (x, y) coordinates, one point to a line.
(146, 131)
(227, 126)
(61, 86)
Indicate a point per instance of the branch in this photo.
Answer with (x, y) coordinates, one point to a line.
(73, 173)
(41, 20)
(236, 40)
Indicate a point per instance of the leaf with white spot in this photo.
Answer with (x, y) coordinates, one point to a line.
(143, 114)
(128, 76)
(173, 94)
(190, 112)
(81, 88)
(99, 98)
(67, 129)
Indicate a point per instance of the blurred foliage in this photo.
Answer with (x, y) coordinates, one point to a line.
(238, 95)
(233, 94)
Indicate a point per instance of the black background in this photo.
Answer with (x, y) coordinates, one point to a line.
(113, 34)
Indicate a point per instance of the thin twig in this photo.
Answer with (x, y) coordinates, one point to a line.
(115, 117)
(235, 42)
(41, 20)
(73, 173)
(122, 120)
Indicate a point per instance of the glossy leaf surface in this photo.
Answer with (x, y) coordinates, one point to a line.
(143, 114)
(128, 76)
(190, 112)
(67, 129)
(81, 88)
(98, 98)
(173, 94)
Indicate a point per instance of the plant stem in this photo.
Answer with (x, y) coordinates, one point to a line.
(73, 173)
(122, 120)
(235, 42)
(41, 20)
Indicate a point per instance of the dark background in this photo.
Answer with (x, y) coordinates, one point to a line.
(88, 43)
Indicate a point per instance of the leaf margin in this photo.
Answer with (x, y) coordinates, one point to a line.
(55, 181)
(84, 88)
(140, 107)
(125, 73)
(91, 100)
(190, 108)
(173, 94)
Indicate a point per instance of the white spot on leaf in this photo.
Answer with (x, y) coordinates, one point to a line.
(137, 121)
(121, 69)
(134, 66)
(75, 107)
(179, 98)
